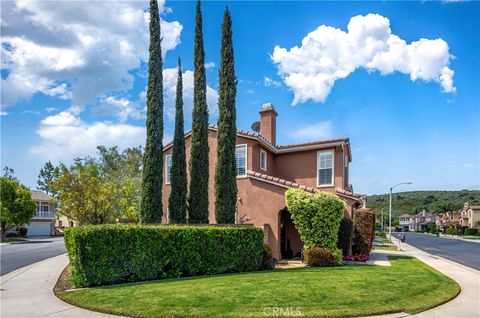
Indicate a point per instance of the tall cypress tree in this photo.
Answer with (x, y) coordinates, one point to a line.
(152, 178)
(225, 171)
(198, 197)
(177, 202)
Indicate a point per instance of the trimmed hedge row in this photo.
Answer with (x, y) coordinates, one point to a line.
(345, 236)
(108, 254)
(364, 225)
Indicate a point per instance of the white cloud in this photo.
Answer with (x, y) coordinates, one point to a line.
(267, 81)
(78, 50)
(328, 54)
(209, 65)
(321, 130)
(170, 85)
(119, 107)
(65, 136)
(2, 113)
(50, 109)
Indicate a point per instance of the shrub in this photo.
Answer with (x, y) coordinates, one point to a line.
(381, 234)
(23, 231)
(451, 231)
(364, 230)
(345, 236)
(108, 254)
(322, 257)
(470, 231)
(267, 257)
(316, 216)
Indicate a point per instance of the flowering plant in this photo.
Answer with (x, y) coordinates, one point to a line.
(356, 258)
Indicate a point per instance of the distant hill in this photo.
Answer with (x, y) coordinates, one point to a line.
(416, 201)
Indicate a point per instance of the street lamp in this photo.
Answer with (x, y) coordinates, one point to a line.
(390, 210)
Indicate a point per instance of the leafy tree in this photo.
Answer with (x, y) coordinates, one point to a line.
(47, 176)
(9, 173)
(85, 196)
(225, 171)
(198, 197)
(177, 202)
(16, 204)
(151, 204)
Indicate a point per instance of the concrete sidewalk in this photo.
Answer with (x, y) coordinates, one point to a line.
(467, 303)
(28, 292)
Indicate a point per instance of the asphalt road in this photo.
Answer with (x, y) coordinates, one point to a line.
(465, 253)
(20, 254)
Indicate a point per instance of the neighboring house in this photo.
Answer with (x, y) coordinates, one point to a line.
(43, 221)
(470, 216)
(407, 222)
(448, 219)
(416, 222)
(266, 170)
(63, 221)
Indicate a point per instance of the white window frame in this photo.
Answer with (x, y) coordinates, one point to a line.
(167, 172)
(263, 152)
(246, 160)
(319, 153)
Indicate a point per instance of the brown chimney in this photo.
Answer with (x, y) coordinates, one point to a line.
(268, 123)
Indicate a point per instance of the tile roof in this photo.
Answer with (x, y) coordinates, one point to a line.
(279, 181)
(289, 184)
(40, 196)
(273, 147)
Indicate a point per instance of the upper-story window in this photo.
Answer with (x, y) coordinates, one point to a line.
(263, 160)
(168, 167)
(241, 160)
(325, 168)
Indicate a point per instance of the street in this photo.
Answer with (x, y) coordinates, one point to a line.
(465, 253)
(20, 254)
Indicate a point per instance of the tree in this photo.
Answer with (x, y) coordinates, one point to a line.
(177, 202)
(152, 179)
(16, 204)
(198, 197)
(225, 171)
(9, 173)
(47, 176)
(85, 196)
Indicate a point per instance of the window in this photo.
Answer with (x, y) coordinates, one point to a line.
(263, 160)
(325, 168)
(168, 167)
(241, 160)
(45, 207)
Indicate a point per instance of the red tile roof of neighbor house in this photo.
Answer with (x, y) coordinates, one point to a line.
(278, 148)
(289, 184)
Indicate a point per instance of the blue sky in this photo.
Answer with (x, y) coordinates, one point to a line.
(401, 79)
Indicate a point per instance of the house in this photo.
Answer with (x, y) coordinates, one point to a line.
(448, 219)
(265, 170)
(407, 222)
(470, 216)
(43, 221)
(416, 222)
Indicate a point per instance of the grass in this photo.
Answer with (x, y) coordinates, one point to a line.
(351, 290)
(385, 247)
(12, 239)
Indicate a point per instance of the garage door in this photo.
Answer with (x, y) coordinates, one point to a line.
(39, 229)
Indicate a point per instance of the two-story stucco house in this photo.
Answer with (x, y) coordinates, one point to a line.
(44, 218)
(265, 170)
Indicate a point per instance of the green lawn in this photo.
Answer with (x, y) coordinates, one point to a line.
(385, 247)
(317, 292)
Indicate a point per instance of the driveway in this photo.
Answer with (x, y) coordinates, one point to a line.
(465, 253)
(19, 254)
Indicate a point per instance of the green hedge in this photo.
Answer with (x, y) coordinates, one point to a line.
(108, 254)
(364, 231)
(322, 257)
(316, 216)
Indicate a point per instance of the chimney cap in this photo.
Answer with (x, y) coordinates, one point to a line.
(267, 106)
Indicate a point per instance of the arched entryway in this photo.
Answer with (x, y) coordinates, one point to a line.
(291, 244)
